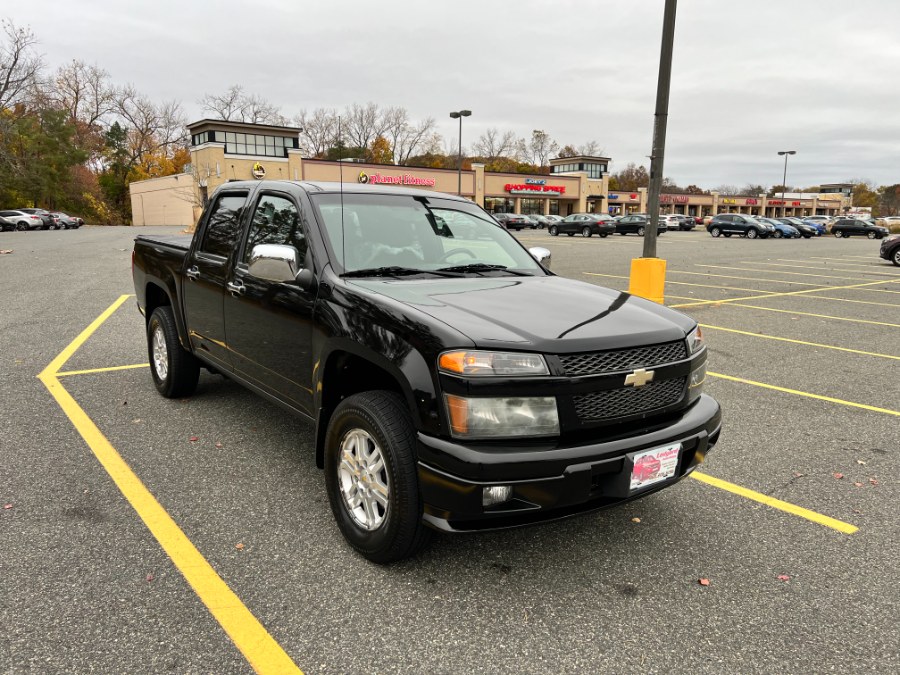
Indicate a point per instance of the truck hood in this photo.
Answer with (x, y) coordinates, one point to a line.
(547, 314)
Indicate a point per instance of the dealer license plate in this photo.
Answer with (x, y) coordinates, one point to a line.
(654, 465)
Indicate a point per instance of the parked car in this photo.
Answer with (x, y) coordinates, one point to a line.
(806, 230)
(512, 221)
(554, 218)
(782, 230)
(66, 221)
(542, 221)
(728, 224)
(685, 223)
(6, 225)
(23, 220)
(854, 227)
(823, 220)
(887, 221)
(587, 224)
(531, 220)
(50, 223)
(637, 223)
(890, 249)
(670, 220)
(707, 219)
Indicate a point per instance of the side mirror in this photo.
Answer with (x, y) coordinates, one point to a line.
(274, 262)
(542, 255)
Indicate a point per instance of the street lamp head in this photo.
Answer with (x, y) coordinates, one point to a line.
(454, 115)
(461, 113)
(787, 152)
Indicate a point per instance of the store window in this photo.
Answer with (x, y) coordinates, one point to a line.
(533, 206)
(257, 144)
(499, 205)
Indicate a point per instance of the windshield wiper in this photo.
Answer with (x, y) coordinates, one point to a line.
(395, 271)
(483, 267)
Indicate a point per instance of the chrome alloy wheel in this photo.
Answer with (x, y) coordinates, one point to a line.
(160, 353)
(363, 479)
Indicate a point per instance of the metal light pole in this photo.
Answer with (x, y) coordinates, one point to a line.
(459, 115)
(784, 178)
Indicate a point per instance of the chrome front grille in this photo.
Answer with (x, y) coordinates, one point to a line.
(625, 401)
(615, 360)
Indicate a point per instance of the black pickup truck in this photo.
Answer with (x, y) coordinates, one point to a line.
(456, 384)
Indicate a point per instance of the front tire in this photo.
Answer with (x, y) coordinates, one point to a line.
(871, 235)
(896, 257)
(715, 232)
(553, 230)
(838, 234)
(778, 234)
(586, 232)
(752, 234)
(175, 371)
(640, 231)
(371, 477)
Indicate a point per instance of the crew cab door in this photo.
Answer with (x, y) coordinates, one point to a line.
(268, 325)
(205, 272)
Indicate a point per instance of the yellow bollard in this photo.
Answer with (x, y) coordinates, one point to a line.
(648, 278)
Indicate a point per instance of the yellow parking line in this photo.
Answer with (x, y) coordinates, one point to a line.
(798, 274)
(773, 295)
(790, 311)
(90, 371)
(840, 526)
(682, 283)
(798, 342)
(767, 281)
(860, 302)
(819, 267)
(260, 649)
(806, 394)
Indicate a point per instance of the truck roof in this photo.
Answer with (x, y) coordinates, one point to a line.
(347, 188)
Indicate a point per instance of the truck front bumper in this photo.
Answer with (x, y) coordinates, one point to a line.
(552, 481)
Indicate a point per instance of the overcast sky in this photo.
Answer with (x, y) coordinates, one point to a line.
(748, 78)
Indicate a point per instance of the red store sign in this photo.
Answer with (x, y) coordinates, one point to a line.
(523, 189)
(678, 199)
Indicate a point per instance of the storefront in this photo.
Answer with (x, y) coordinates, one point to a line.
(223, 151)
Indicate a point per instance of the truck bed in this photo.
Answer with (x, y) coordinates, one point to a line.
(181, 242)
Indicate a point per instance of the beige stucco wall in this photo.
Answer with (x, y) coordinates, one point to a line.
(163, 201)
(445, 180)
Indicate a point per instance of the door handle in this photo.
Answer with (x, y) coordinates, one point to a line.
(192, 273)
(236, 288)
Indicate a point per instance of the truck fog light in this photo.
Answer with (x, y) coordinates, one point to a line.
(496, 494)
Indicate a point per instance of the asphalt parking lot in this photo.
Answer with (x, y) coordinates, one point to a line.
(793, 522)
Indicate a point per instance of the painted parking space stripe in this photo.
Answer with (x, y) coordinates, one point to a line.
(819, 267)
(260, 649)
(806, 394)
(91, 371)
(797, 274)
(790, 282)
(787, 311)
(774, 295)
(681, 283)
(787, 507)
(894, 305)
(798, 342)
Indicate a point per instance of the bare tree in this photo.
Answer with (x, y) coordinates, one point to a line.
(591, 149)
(404, 137)
(84, 91)
(319, 131)
(151, 127)
(727, 190)
(491, 145)
(540, 147)
(235, 105)
(257, 110)
(20, 66)
(363, 124)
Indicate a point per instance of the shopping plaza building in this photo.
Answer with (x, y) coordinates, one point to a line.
(223, 151)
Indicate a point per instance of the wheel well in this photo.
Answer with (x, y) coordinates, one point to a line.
(155, 297)
(346, 374)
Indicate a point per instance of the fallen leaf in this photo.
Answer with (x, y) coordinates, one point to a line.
(797, 474)
(635, 520)
(703, 582)
(838, 475)
(219, 445)
(7, 506)
(858, 484)
(137, 421)
(783, 577)
(239, 547)
(4, 251)
(194, 439)
(859, 461)
(149, 577)
(873, 481)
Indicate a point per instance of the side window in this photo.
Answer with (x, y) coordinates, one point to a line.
(223, 227)
(275, 221)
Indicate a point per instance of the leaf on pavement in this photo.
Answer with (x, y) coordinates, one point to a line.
(873, 481)
(219, 445)
(239, 547)
(149, 577)
(838, 475)
(194, 439)
(703, 582)
(4, 251)
(783, 577)
(7, 506)
(859, 461)
(857, 484)
(635, 520)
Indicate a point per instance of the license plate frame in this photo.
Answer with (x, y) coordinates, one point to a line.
(654, 465)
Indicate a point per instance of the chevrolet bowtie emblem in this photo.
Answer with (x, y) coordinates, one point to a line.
(639, 377)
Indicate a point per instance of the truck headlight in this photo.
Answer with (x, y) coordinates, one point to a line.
(695, 340)
(502, 417)
(482, 364)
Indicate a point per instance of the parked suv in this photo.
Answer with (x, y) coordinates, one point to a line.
(637, 223)
(512, 221)
(23, 220)
(849, 227)
(738, 223)
(587, 224)
(50, 222)
(890, 249)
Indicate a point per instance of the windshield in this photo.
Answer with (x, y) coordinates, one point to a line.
(399, 234)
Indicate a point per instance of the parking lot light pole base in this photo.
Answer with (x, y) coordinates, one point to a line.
(648, 278)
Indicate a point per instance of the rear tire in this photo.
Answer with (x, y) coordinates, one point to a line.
(838, 234)
(715, 232)
(640, 231)
(871, 235)
(21, 227)
(896, 257)
(175, 371)
(778, 234)
(586, 232)
(371, 477)
(553, 230)
(752, 233)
